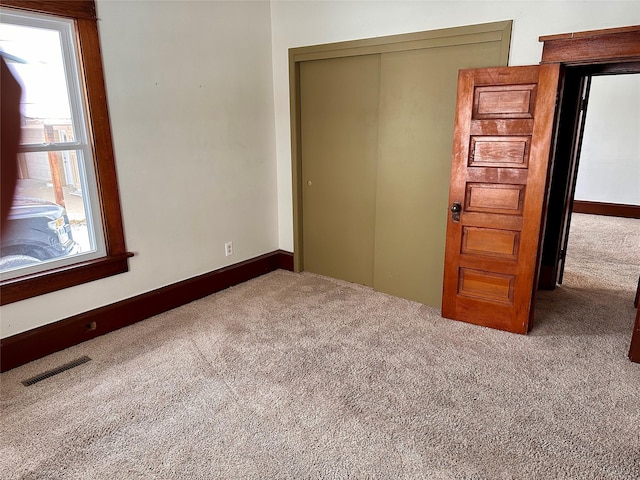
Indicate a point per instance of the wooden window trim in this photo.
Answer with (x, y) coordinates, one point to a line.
(62, 8)
(115, 261)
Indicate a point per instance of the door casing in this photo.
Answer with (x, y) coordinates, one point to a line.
(581, 54)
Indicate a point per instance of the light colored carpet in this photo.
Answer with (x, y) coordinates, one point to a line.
(301, 376)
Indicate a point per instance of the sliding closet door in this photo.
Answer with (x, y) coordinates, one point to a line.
(372, 129)
(417, 100)
(339, 100)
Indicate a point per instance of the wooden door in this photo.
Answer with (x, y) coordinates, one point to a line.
(502, 139)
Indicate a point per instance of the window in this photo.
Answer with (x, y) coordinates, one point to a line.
(65, 226)
(55, 218)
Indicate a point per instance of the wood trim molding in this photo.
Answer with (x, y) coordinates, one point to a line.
(597, 46)
(634, 349)
(20, 288)
(62, 8)
(590, 33)
(39, 342)
(609, 209)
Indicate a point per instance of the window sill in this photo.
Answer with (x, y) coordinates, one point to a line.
(28, 286)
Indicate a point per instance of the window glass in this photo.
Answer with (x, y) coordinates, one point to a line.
(55, 218)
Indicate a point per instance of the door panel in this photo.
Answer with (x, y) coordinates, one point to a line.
(339, 144)
(503, 131)
(417, 108)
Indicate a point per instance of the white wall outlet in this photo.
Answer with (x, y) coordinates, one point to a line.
(228, 249)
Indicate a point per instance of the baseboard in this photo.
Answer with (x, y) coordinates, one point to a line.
(609, 209)
(39, 342)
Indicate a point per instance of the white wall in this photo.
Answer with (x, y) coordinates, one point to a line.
(301, 23)
(609, 169)
(190, 96)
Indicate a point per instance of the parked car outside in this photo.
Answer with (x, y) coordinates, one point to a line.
(36, 231)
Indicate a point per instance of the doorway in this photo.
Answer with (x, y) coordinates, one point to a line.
(608, 175)
(582, 55)
(573, 108)
(601, 264)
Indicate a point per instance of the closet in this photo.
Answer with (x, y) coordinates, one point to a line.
(372, 128)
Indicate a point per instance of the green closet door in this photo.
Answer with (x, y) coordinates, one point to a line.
(372, 128)
(417, 107)
(339, 100)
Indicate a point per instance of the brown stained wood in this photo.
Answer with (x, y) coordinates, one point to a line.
(494, 198)
(489, 264)
(501, 127)
(497, 317)
(590, 33)
(100, 132)
(21, 288)
(484, 287)
(510, 152)
(504, 102)
(503, 176)
(570, 127)
(92, 78)
(62, 8)
(634, 349)
(608, 209)
(502, 222)
(598, 46)
(616, 68)
(489, 241)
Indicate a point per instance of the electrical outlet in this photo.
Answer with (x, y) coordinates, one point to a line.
(228, 249)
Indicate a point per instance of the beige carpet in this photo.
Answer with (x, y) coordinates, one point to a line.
(301, 376)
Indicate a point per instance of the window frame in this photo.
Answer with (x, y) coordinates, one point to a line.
(92, 85)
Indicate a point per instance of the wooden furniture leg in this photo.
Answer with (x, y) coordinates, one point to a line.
(634, 350)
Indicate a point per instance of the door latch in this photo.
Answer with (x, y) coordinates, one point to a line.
(456, 208)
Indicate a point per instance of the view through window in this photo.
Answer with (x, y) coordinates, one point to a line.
(55, 218)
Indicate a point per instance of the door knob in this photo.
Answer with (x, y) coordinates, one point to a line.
(456, 208)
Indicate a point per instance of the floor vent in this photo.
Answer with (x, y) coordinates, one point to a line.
(55, 371)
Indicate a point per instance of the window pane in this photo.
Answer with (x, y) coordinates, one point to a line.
(36, 58)
(46, 222)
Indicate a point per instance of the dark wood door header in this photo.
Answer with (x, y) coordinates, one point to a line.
(611, 45)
